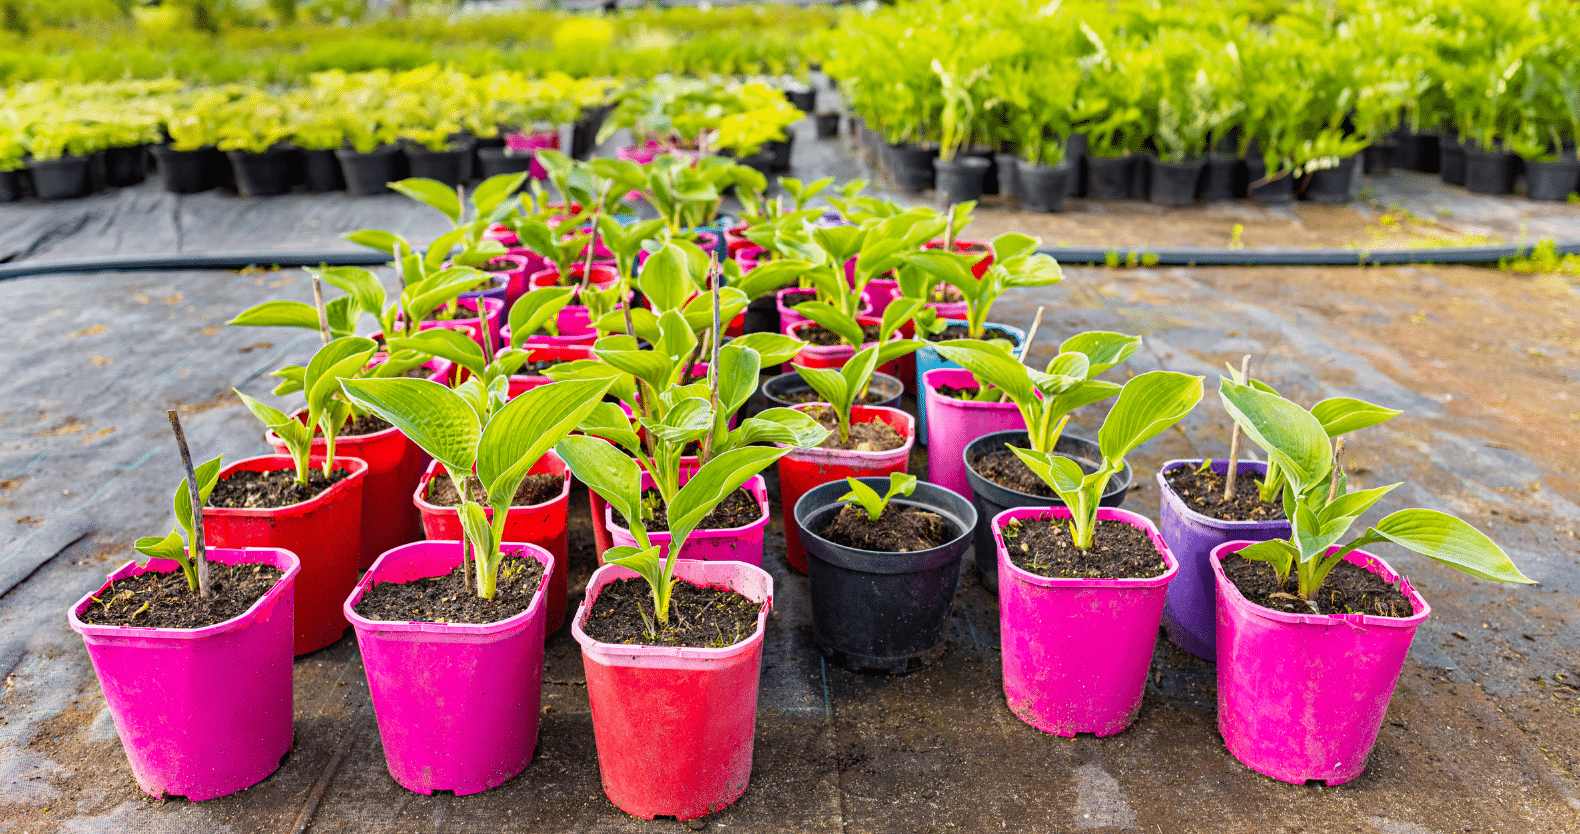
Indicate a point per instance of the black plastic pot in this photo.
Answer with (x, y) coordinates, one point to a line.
(1424, 153)
(882, 612)
(1042, 187)
(990, 184)
(321, 171)
(1175, 183)
(781, 150)
(777, 391)
(762, 162)
(185, 172)
(1280, 190)
(260, 174)
(584, 133)
(370, 173)
(911, 165)
(804, 100)
(1552, 180)
(1331, 185)
(495, 161)
(1109, 178)
(125, 165)
(989, 499)
(10, 186)
(827, 125)
(59, 179)
(1378, 158)
(960, 179)
(1451, 161)
(448, 167)
(762, 315)
(1075, 160)
(1141, 176)
(1218, 177)
(1007, 165)
(1490, 172)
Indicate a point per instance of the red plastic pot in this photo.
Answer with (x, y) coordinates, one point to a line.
(835, 356)
(803, 469)
(324, 532)
(674, 726)
(540, 524)
(978, 269)
(201, 712)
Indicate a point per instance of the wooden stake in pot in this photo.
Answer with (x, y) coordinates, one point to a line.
(1025, 347)
(199, 554)
(1234, 437)
(323, 314)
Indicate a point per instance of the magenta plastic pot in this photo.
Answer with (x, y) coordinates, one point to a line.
(882, 291)
(674, 726)
(201, 712)
(457, 703)
(730, 544)
(573, 322)
(1190, 618)
(1302, 696)
(952, 424)
(494, 308)
(516, 276)
(788, 317)
(1077, 651)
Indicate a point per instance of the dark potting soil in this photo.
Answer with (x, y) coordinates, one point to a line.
(419, 372)
(794, 298)
(1202, 491)
(1002, 467)
(1349, 589)
(966, 393)
(446, 312)
(871, 436)
(816, 334)
(369, 423)
(534, 489)
(1118, 551)
(898, 530)
(271, 490)
(961, 331)
(807, 395)
(537, 366)
(704, 618)
(164, 600)
(738, 509)
(446, 599)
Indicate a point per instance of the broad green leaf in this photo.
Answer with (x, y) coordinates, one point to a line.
(605, 471)
(431, 415)
(1444, 538)
(1066, 371)
(1288, 433)
(1276, 552)
(895, 348)
(1060, 473)
(772, 348)
(475, 526)
(1351, 505)
(828, 383)
(1342, 415)
(207, 474)
(439, 250)
(864, 496)
(535, 309)
(664, 278)
(278, 314)
(676, 337)
(1103, 349)
(737, 376)
(713, 483)
(645, 365)
(170, 547)
(698, 312)
(857, 373)
(992, 365)
(688, 420)
(526, 427)
(445, 343)
(770, 276)
(493, 191)
(645, 562)
(359, 283)
(339, 359)
(778, 425)
(834, 321)
(1147, 405)
(433, 194)
(1013, 245)
(606, 420)
(1087, 393)
(377, 239)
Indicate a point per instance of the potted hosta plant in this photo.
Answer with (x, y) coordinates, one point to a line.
(371, 159)
(959, 176)
(832, 337)
(193, 650)
(999, 480)
(1080, 602)
(451, 632)
(883, 569)
(1310, 627)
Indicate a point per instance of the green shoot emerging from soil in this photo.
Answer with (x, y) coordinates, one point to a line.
(841, 388)
(869, 499)
(189, 519)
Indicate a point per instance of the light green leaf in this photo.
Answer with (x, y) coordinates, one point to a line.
(170, 547)
(493, 191)
(359, 283)
(1444, 538)
(713, 483)
(834, 321)
(445, 343)
(1147, 405)
(1288, 433)
(526, 427)
(278, 314)
(535, 309)
(607, 472)
(431, 415)
(433, 194)
(1103, 349)
(992, 365)
(1342, 415)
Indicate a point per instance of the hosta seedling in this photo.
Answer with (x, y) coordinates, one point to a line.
(1016, 263)
(869, 499)
(842, 387)
(1321, 508)
(849, 329)
(175, 545)
(327, 410)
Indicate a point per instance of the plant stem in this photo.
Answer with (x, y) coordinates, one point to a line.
(1338, 468)
(194, 490)
(706, 453)
(1025, 347)
(323, 314)
(1234, 437)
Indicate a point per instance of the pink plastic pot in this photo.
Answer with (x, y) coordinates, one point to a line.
(803, 469)
(640, 155)
(1302, 696)
(835, 356)
(731, 544)
(536, 140)
(674, 726)
(952, 424)
(515, 277)
(201, 712)
(788, 317)
(492, 307)
(573, 321)
(325, 533)
(540, 524)
(522, 383)
(502, 234)
(457, 703)
(1077, 651)
(882, 291)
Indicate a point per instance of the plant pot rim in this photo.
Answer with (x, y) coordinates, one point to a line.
(319, 442)
(419, 497)
(284, 559)
(812, 502)
(906, 421)
(756, 485)
(414, 627)
(386, 149)
(1169, 495)
(1370, 561)
(794, 379)
(1123, 479)
(1019, 334)
(929, 382)
(966, 160)
(1133, 519)
(357, 467)
(678, 657)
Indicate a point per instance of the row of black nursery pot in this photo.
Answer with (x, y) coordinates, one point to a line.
(1478, 170)
(75, 176)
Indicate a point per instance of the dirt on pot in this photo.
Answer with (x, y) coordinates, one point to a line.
(704, 618)
(164, 600)
(1349, 589)
(270, 490)
(1118, 551)
(1202, 491)
(899, 530)
(738, 509)
(871, 436)
(534, 489)
(446, 599)
(817, 334)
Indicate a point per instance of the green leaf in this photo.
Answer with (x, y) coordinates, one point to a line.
(431, 415)
(1350, 505)
(445, 343)
(493, 191)
(687, 420)
(828, 383)
(737, 377)
(645, 365)
(778, 425)
(433, 194)
(606, 420)
(278, 314)
(772, 348)
(713, 483)
(207, 474)
(377, 239)
(534, 309)
(665, 278)
(1444, 538)
(475, 526)
(834, 321)
(340, 359)
(439, 250)
(1147, 405)
(1063, 475)
(526, 427)
(1288, 433)
(992, 365)
(676, 338)
(1065, 372)
(864, 496)
(170, 547)
(1277, 552)
(1342, 415)
(1013, 245)
(359, 283)
(607, 472)
(1103, 349)
(857, 373)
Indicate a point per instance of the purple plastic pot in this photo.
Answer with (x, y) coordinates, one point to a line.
(731, 544)
(1190, 618)
(1302, 696)
(201, 712)
(952, 424)
(1077, 651)
(499, 285)
(457, 703)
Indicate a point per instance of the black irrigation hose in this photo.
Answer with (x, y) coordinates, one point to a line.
(1173, 256)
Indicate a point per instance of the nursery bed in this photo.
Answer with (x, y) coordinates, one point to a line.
(1482, 734)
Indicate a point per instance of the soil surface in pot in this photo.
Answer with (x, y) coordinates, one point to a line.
(961, 331)
(1349, 589)
(446, 599)
(807, 395)
(966, 393)
(794, 298)
(703, 618)
(1118, 551)
(871, 436)
(499, 265)
(418, 372)
(1002, 467)
(948, 294)
(817, 334)
(456, 313)
(163, 600)
(738, 509)
(372, 423)
(1202, 491)
(534, 489)
(270, 490)
(898, 530)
